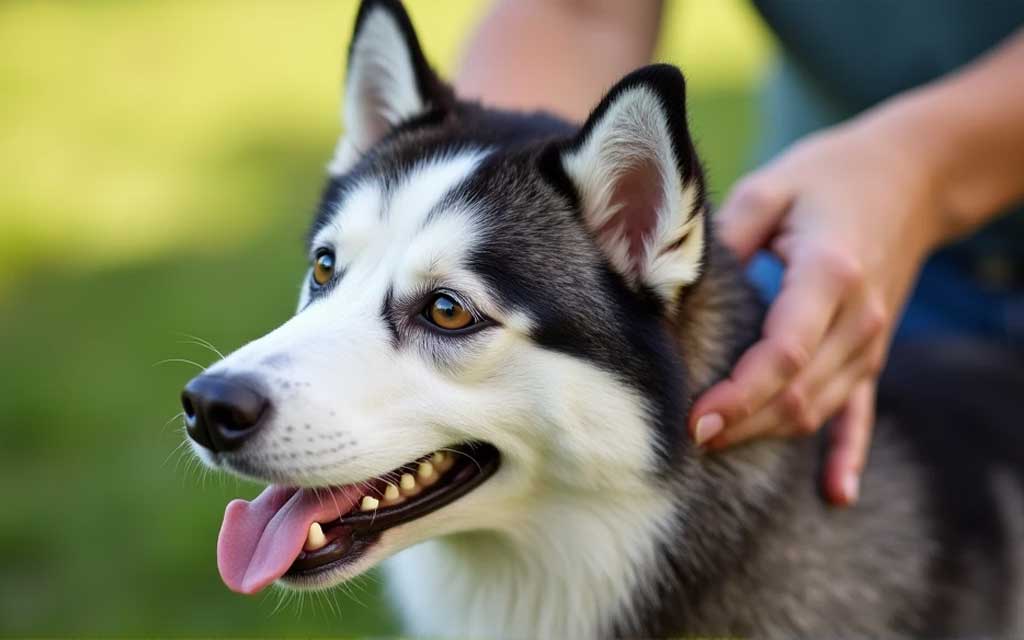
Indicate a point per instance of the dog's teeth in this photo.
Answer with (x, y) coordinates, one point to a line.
(315, 538)
(442, 461)
(425, 474)
(392, 496)
(369, 503)
(425, 470)
(407, 484)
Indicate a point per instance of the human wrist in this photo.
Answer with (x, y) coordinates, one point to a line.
(901, 137)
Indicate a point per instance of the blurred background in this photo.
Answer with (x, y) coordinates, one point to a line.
(159, 162)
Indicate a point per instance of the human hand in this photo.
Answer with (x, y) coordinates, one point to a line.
(852, 216)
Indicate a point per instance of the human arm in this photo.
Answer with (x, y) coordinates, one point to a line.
(558, 55)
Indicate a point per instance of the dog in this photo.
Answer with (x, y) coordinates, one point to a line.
(503, 327)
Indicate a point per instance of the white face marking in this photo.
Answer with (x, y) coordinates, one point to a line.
(398, 229)
(351, 402)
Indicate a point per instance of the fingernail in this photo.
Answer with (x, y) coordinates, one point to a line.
(851, 487)
(708, 426)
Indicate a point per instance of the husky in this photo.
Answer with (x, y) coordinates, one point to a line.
(505, 321)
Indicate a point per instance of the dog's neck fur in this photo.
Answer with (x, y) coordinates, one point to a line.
(717, 318)
(586, 564)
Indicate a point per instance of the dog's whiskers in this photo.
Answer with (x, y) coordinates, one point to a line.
(463, 453)
(393, 477)
(283, 597)
(337, 507)
(347, 587)
(180, 414)
(200, 342)
(331, 603)
(177, 449)
(180, 360)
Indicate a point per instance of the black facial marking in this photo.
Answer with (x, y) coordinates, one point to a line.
(388, 317)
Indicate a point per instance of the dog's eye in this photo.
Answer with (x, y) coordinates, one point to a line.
(323, 268)
(447, 313)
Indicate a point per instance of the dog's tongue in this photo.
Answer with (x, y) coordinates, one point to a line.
(260, 540)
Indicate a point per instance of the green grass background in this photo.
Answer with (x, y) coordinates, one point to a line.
(158, 163)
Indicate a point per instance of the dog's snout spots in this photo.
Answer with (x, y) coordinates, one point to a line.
(276, 361)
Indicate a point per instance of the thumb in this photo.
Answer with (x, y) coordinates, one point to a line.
(751, 214)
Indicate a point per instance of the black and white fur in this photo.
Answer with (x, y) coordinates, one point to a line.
(611, 309)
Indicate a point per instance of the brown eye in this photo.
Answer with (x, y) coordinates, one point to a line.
(446, 312)
(323, 268)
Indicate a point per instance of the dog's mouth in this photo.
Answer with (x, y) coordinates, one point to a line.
(295, 534)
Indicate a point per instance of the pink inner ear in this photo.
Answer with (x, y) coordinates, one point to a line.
(638, 195)
(376, 126)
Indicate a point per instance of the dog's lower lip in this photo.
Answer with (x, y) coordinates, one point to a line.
(350, 535)
(345, 543)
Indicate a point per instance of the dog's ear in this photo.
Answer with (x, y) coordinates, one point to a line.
(639, 183)
(388, 81)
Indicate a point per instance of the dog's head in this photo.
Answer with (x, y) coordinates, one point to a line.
(488, 314)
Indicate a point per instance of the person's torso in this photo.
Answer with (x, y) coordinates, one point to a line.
(840, 57)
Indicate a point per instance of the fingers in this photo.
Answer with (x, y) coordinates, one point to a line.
(859, 324)
(805, 405)
(827, 400)
(758, 375)
(751, 214)
(794, 329)
(851, 438)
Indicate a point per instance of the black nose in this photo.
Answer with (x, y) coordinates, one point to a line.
(221, 413)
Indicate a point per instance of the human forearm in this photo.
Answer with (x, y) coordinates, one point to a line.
(966, 132)
(558, 55)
